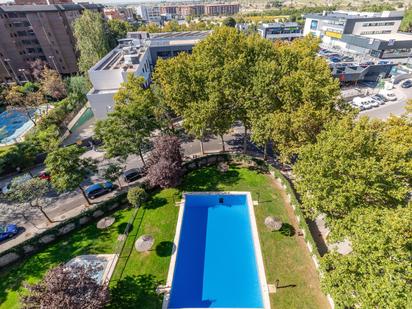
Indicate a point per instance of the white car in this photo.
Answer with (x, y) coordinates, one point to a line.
(16, 180)
(390, 96)
(363, 103)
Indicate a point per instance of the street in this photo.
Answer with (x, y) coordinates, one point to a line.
(395, 108)
(70, 204)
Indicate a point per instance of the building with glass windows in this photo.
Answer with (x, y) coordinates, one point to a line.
(280, 31)
(375, 34)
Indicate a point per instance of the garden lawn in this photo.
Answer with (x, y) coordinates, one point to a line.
(88, 240)
(137, 274)
(285, 259)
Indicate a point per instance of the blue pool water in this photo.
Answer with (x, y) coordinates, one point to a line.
(216, 263)
(13, 124)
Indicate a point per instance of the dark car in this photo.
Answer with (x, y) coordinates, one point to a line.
(407, 84)
(348, 59)
(99, 189)
(335, 59)
(132, 175)
(8, 231)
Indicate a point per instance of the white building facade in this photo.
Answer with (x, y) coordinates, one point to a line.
(136, 55)
(376, 34)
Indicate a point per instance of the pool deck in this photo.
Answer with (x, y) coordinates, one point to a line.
(258, 252)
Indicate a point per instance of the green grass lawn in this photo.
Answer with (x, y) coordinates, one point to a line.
(137, 274)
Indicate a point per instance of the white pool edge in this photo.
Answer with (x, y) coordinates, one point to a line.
(256, 245)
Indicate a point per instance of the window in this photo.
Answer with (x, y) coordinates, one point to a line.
(376, 32)
(379, 24)
(314, 25)
(21, 33)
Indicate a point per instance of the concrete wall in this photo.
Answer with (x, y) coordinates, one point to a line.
(101, 103)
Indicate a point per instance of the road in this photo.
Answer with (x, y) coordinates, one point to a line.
(63, 206)
(395, 108)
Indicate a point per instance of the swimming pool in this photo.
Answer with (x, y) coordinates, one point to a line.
(13, 124)
(218, 263)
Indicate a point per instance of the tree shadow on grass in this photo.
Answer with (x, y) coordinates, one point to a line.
(154, 202)
(287, 230)
(165, 248)
(122, 227)
(137, 292)
(208, 179)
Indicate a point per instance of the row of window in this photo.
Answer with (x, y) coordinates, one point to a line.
(379, 24)
(376, 32)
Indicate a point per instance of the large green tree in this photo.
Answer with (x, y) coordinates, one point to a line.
(92, 39)
(118, 30)
(356, 164)
(68, 170)
(127, 129)
(377, 273)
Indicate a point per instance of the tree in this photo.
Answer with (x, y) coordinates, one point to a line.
(52, 84)
(165, 162)
(118, 30)
(68, 170)
(25, 101)
(37, 66)
(376, 274)
(65, 286)
(406, 24)
(92, 39)
(127, 129)
(229, 22)
(30, 193)
(77, 88)
(48, 138)
(355, 164)
(136, 196)
(112, 173)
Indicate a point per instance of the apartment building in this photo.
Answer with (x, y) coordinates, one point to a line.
(376, 34)
(221, 9)
(121, 13)
(137, 54)
(30, 32)
(280, 31)
(216, 9)
(149, 13)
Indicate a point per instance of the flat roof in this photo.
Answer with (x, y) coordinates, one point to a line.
(398, 36)
(48, 8)
(355, 15)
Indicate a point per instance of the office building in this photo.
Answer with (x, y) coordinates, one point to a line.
(374, 34)
(137, 55)
(280, 31)
(30, 32)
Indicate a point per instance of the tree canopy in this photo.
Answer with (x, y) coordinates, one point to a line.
(92, 39)
(127, 129)
(356, 164)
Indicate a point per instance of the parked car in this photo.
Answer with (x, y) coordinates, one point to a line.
(373, 102)
(15, 180)
(348, 59)
(132, 175)
(390, 96)
(8, 231)
(44, 175)
(335, 59)
(407, 84)
(367, 63)
(99, 189)
(380, 98)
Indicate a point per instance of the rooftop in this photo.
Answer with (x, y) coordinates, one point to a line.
(397, 36)
(49, 8)
(355, 15)
(279, 25)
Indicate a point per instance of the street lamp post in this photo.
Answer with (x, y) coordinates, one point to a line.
(54, 63)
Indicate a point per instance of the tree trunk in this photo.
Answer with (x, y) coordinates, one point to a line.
(45, 215)
(201, 146)
(245, 141)
(120, 184)
(85, 196)
(265, 151)
(223, 143)
(31, 119)
(141, 156)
